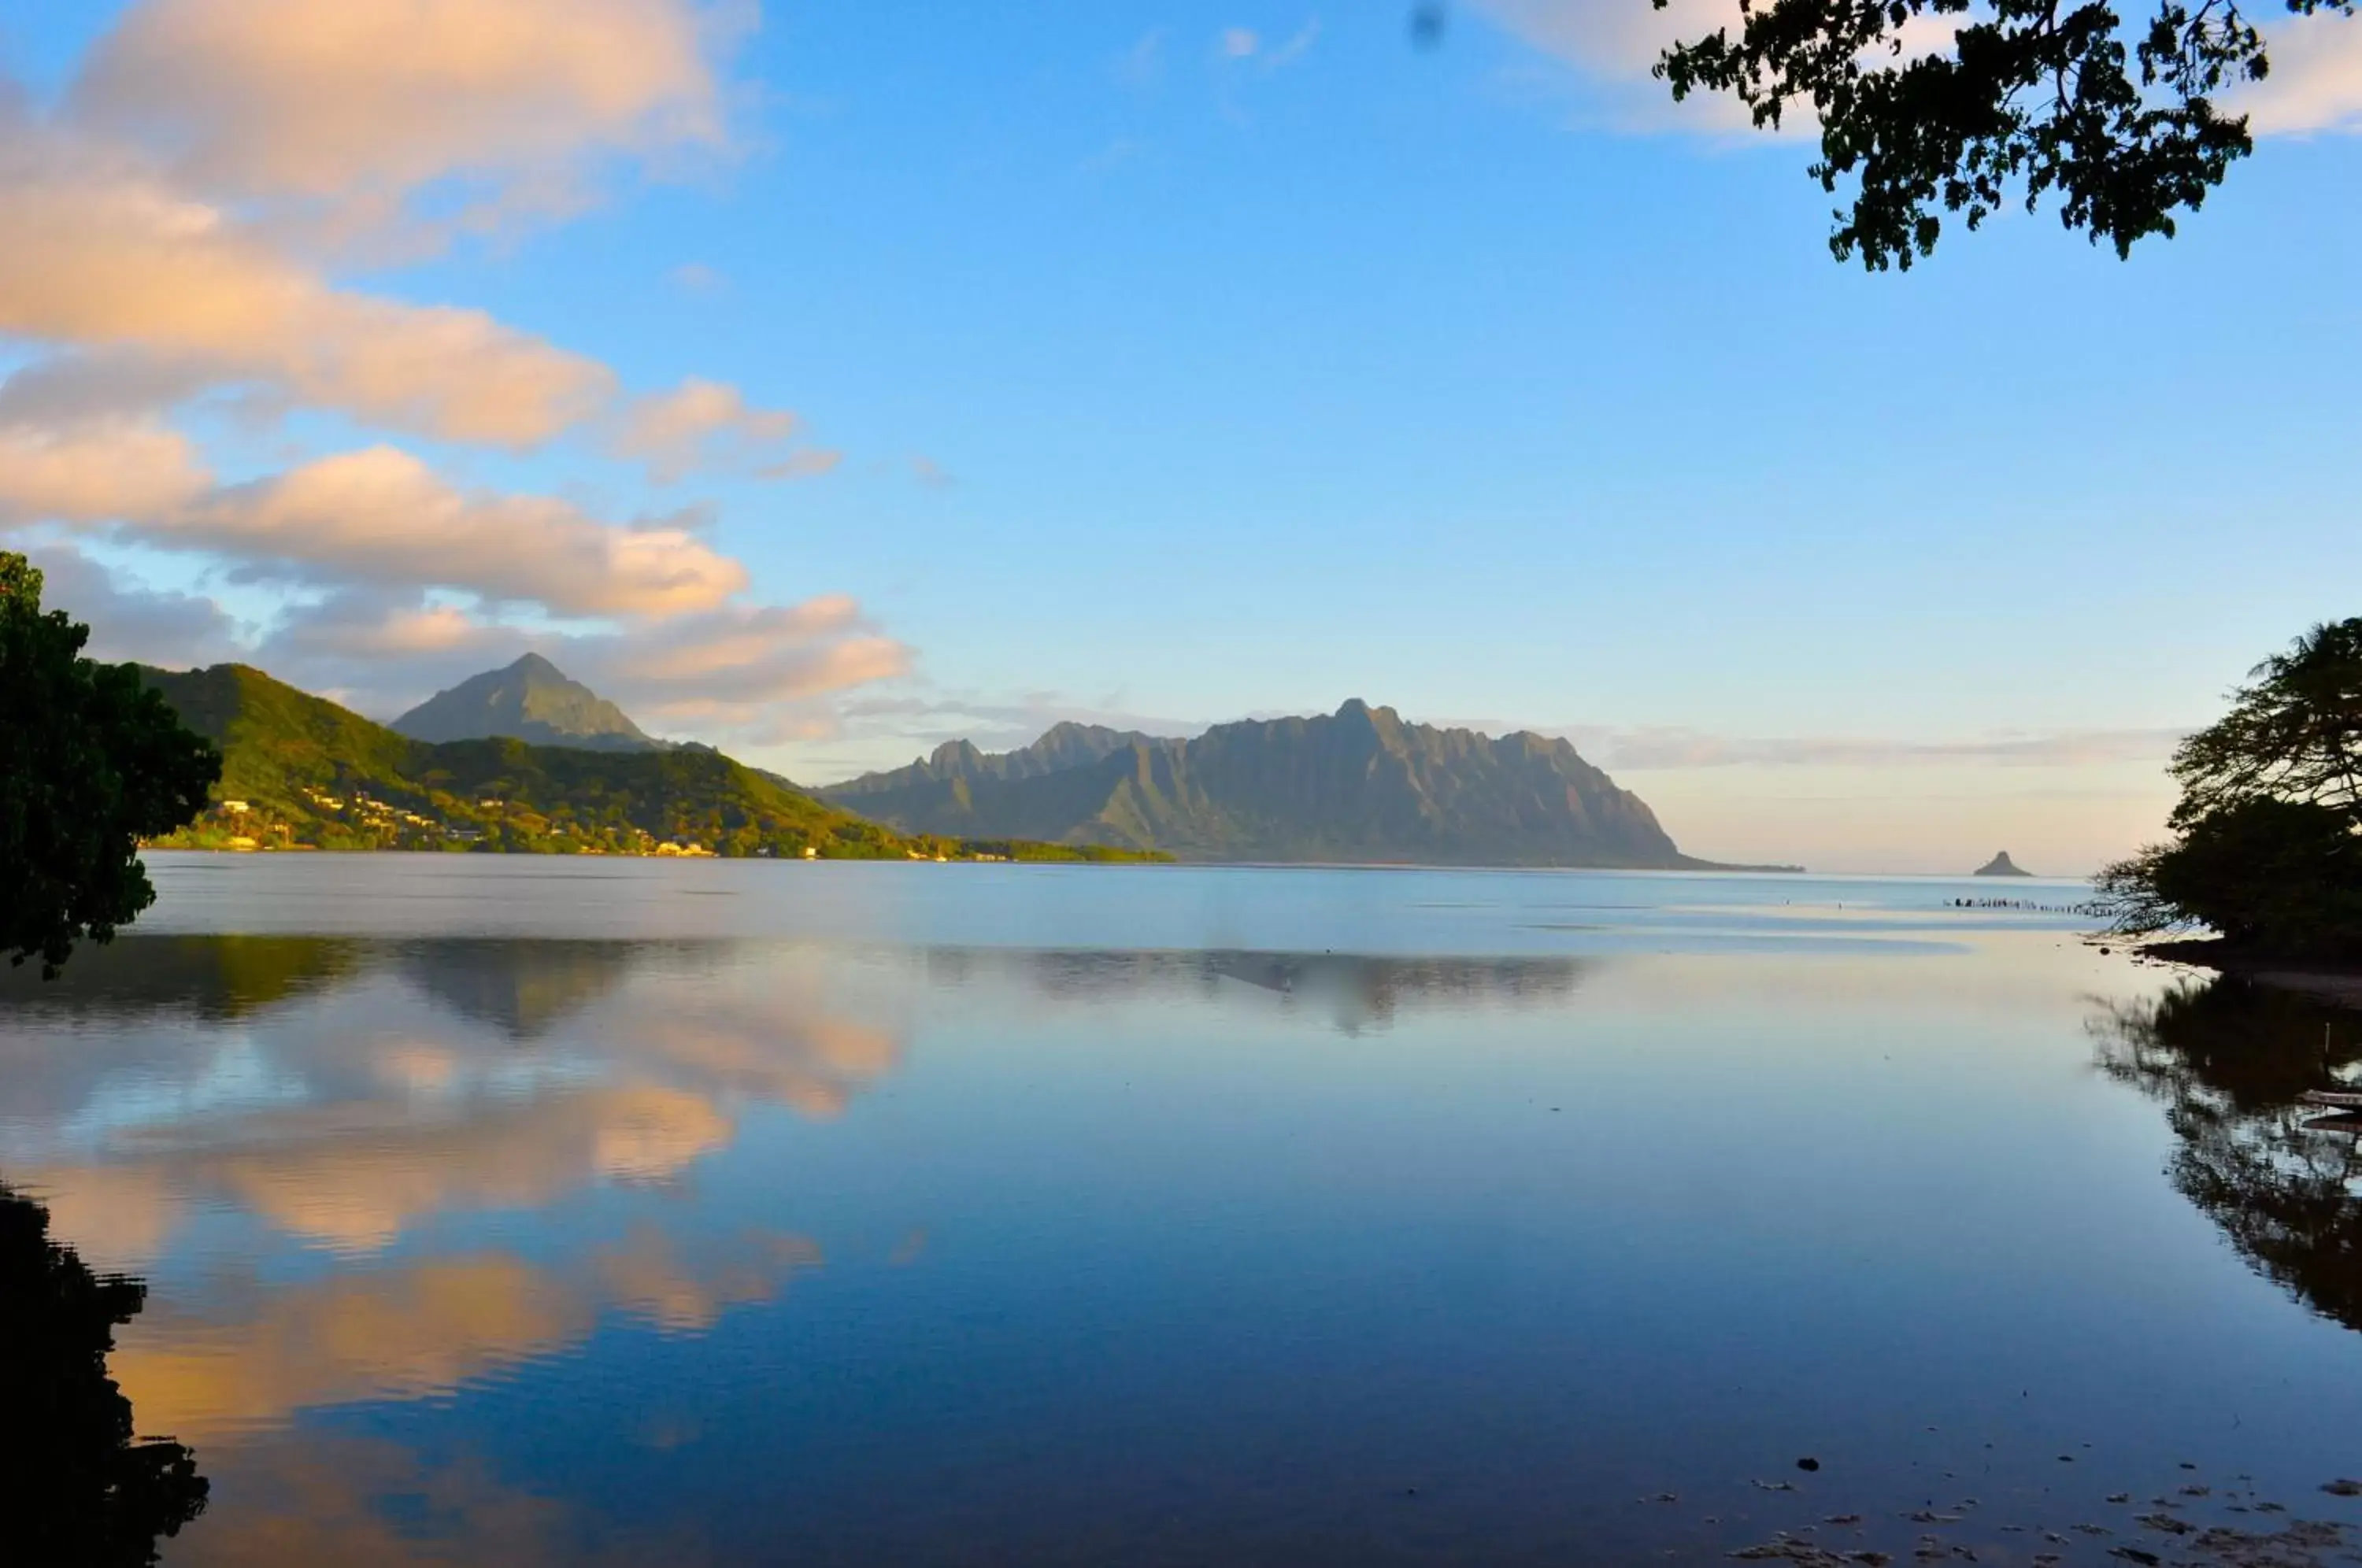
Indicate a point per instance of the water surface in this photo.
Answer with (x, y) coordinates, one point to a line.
(509, 1210)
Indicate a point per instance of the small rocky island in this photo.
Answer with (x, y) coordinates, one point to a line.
(2003, 865)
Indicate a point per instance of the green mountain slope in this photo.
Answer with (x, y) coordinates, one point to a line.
(531, 701)
(300, 772)
(1357, 785)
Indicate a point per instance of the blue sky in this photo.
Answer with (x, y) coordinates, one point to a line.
(1175, 374)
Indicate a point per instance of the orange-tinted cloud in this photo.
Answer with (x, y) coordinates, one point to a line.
(357, 104)
(93, 253)
(383, 516)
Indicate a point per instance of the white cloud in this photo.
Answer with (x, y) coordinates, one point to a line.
(2316, 79)
(1144, 60)
(758, 673)
(703, 423)
(1238, 43)
(1613, 44)
(159, 248)
(381, 516)
(93, 472)
(2315, 82)
(356, 105)
(95, 254)
(1296, 47)
(130, 621)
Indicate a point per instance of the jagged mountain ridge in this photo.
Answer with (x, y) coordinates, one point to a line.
(1360, 785)
(531, 701)
(1063, 746)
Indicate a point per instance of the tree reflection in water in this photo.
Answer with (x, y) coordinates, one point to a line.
(74, 1487)
(2228, 1059)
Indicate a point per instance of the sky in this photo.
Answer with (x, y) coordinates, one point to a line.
(826, 382)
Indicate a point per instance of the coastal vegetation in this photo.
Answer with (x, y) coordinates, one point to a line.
(2267, 851)
(93, 763)
(300, 772)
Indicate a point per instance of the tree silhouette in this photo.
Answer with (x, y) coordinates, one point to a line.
(94, 762)
(2228, 1059)
(74, 1485)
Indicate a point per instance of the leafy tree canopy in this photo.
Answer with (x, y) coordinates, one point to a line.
(2295, 734)
(1953, 106)
(90, 763)
(2267, 849)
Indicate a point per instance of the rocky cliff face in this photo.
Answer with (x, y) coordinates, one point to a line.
(1359, 785)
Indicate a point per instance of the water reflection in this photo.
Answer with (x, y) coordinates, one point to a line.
(1352, 991)
(365, 1089)
(428, 1328)
(2228, 1059)
(211, 979)
(75, 1484)
(523, 988)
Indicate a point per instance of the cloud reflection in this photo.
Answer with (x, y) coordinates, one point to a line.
(365, 1088)
(429, 1328)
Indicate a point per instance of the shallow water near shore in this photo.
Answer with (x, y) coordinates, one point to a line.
(510, 1210)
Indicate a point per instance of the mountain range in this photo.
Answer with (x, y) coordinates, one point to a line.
(300, 772)
(526, 758)
(1361, 784)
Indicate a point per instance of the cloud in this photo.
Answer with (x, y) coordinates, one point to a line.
(1647, 748)
(1612, 46)
(382, 517)
(731, 665)
(133, 622)
(157, 252)
(69, 389)
(1238, 43)
(756, 674)
(1144, 60)
(358, 104)
(1296, 47)
(95, 471)
(703, 423)
(928, 472)
(96, 254)
(2315, 83)
(2316, 80)
(697, 278)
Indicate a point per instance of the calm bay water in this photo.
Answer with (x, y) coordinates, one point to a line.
(517, 1210)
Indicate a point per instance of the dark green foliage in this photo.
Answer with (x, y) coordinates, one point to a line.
(2228, 1059)
(90, 763)
(1360, 785)
(2281, 877)
(2267, 851)
(313, 775)
(74, 1485)
(2294, 735)
(2030, 98)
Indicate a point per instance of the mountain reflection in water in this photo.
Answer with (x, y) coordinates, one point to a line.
(497, 1249)
(2228, 1059)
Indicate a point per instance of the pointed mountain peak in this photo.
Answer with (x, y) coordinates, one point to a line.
(533, 664)
(2003, 865)
(531, 699)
